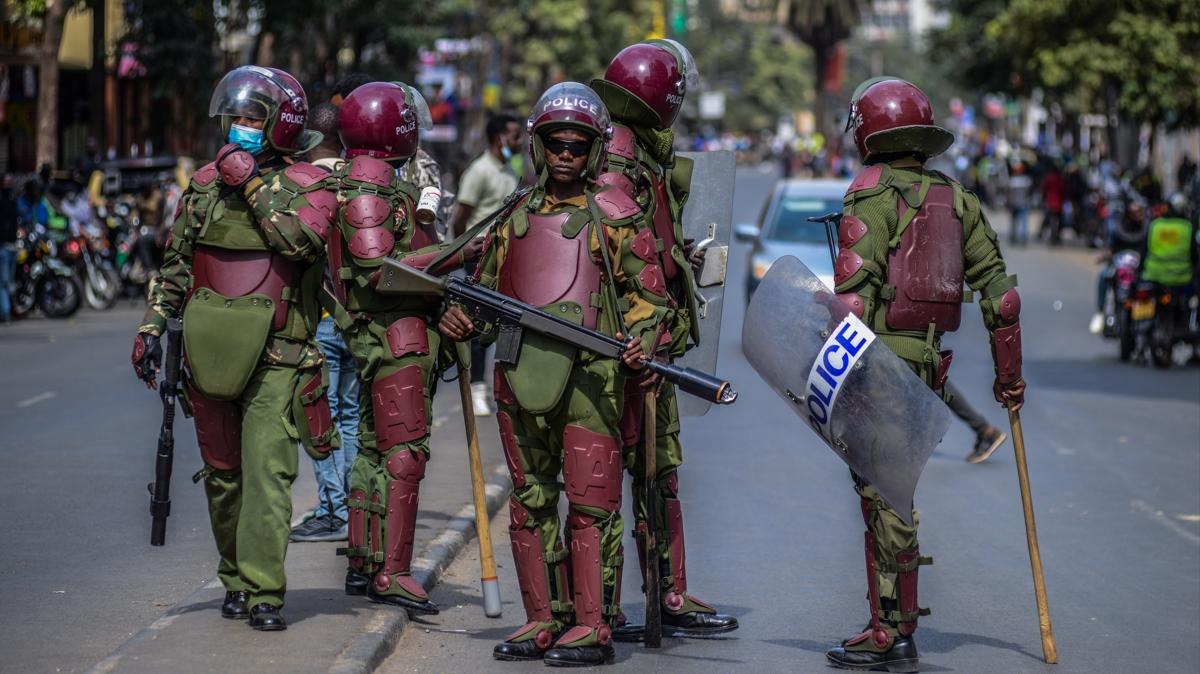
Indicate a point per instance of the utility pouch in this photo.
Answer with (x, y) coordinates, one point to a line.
(224, 339)
(545, 365)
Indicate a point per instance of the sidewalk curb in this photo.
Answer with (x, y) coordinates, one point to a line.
(379, 636)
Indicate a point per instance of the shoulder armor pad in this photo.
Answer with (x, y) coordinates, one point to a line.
(622, 142)
(366, 211)
(205, 175)
(324, 201)
(866, 179)
(370, 170)
(616, 205)
(617, 181)
(850, 231)
(305, 174)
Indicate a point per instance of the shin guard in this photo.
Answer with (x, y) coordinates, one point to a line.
(540, 577)
(405, 469)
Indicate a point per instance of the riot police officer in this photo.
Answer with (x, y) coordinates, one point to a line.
(566, 247)
(243, 269)
(389, 335)
(910, 237)
(644, 88)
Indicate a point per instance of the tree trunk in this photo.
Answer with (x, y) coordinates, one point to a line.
(47, 105)
(821, 55)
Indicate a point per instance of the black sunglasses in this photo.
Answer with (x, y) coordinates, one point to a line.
(577, 148)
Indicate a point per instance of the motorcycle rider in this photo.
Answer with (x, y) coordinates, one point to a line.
(910, 238)
(644, 87)
(1171, 252)
(389, 335)
(1130, 234)
(243, 269)
(565, 247)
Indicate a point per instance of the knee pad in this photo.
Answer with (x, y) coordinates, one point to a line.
(398, 401)
(218, 430)
(406, 466)
(592, 468)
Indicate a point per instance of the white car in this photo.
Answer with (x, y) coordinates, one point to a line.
(784, 228)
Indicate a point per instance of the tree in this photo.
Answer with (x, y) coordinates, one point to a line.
(50, 15)
(548, 41)
(822, 25)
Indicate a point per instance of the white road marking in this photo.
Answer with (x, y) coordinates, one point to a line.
(41, 397)
(1157, 516)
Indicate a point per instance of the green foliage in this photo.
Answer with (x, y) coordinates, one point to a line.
(548, 41)
(174, 41)
(1137, 56)
(763, 71)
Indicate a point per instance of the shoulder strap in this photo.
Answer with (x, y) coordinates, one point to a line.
(913, 205)
(458, 244)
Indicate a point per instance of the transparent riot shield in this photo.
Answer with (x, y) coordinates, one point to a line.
(707, 218)
(862, 399)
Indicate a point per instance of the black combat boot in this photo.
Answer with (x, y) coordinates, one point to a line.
(580, 656)
(356, 583)
(266, 618)
(234, 607)
(865, 652)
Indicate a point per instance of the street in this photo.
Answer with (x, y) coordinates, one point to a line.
(774, 529)
(775, 534)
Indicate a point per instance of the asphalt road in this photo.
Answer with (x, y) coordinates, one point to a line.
(774, 530)
(773, 526)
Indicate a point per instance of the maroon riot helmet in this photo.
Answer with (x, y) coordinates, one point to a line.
(271, 95)
(383, 120)
(892, 116)
(646, 82)
(574, 106)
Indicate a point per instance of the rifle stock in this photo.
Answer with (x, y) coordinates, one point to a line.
(511, 316)
(160, 489)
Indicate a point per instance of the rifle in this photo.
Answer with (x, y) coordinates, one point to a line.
(513, 317)
(831, 221)
(160, 489)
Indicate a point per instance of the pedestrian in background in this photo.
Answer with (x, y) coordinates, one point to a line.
(8, 245)
(1020, 185)
(484, 185)
(328, 521)
(1054, 193)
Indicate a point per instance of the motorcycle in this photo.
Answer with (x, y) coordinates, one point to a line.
(1118, 323)
(1162, 318)
(42, 280)
(89, 254)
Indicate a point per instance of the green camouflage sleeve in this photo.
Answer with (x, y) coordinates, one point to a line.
(167, 289)
(295, 219)
(984, 267)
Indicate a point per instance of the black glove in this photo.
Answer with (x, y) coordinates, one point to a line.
(147, 358)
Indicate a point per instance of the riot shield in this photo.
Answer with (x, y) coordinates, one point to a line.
(863, 400)
(706, 218)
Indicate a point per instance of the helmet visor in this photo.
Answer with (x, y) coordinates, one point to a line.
(687, 64)
(416, 103)
(249, 91)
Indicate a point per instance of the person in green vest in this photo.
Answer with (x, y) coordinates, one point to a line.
(1171, 249)
(243, 267)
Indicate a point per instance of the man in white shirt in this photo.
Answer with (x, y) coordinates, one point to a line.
(484, 185)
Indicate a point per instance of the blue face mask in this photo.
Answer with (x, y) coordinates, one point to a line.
(249, 139)
(506, 152)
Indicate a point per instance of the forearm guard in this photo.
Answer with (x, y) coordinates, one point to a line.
(1006, 337)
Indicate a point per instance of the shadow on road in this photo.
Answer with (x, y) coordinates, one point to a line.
(1098, 376)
